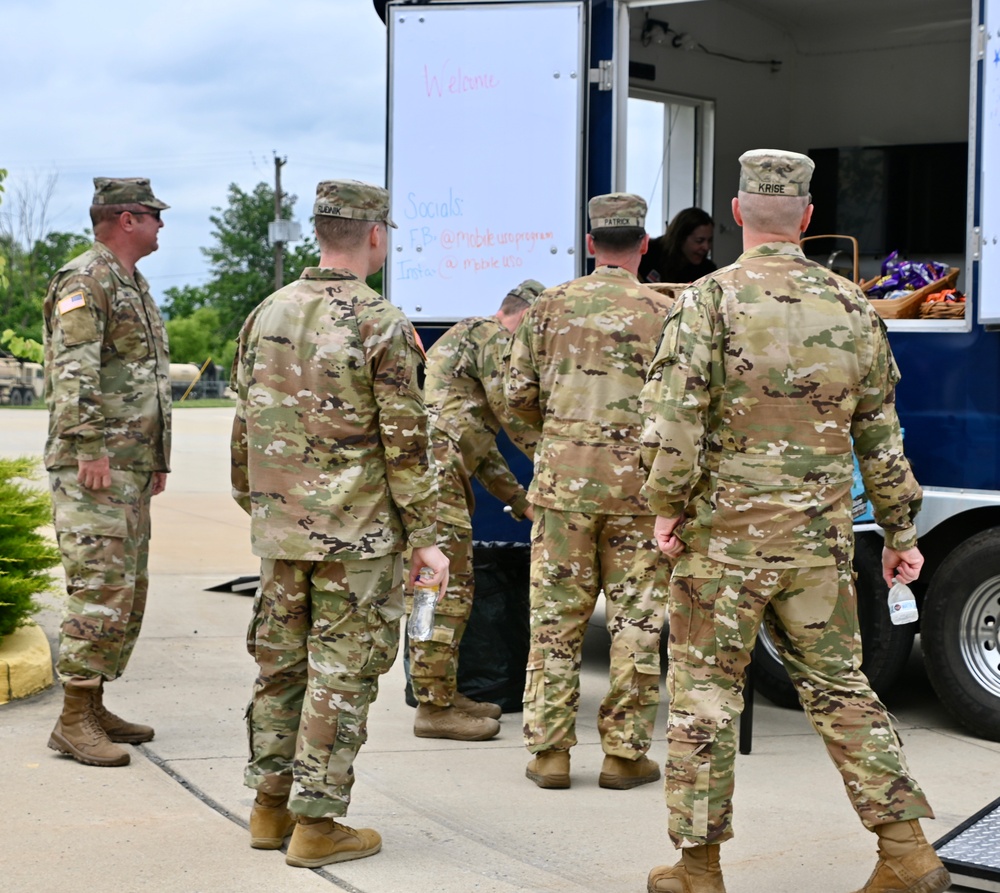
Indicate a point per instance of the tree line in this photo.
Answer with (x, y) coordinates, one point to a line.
(202, 320)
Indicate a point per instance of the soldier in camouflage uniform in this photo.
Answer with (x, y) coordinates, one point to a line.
(331, 458)
(765, 372)
(466, 406)
(577, 364)
(108, 450)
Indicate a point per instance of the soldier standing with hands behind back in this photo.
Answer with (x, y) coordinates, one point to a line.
(107, 387)
(766, 371)
(331, 459)
(577, 364)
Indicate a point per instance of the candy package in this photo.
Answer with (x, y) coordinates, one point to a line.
(902, 276)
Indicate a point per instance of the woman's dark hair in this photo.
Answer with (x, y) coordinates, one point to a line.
(684, 223)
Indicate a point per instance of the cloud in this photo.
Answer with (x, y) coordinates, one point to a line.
(194, 95)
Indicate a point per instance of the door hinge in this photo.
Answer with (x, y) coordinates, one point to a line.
(981, 42)
(976, 246)
(603, 75)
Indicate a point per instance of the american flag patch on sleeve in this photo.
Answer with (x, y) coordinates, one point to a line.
(72, 302)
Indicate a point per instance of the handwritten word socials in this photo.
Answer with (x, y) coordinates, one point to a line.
(454, 81)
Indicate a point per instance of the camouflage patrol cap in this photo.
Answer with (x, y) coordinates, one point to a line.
(353, 199)
(775, 172)
(528, 291)
(126, 191)
(617, 209)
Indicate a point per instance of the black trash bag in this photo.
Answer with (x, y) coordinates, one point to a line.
(494, 651)
(493, 654)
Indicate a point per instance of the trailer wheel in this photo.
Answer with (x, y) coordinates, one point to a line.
(960, 633)
(885, 646)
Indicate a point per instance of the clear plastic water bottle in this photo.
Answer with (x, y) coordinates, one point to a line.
(420, 626)
(902, 604)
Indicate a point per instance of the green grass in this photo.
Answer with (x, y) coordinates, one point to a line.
(207, 403)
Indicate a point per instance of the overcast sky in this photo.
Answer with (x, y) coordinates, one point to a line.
(193, 95)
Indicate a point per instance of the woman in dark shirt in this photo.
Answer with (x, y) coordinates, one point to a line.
(681, 254)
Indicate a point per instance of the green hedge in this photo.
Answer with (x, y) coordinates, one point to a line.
(25, 555)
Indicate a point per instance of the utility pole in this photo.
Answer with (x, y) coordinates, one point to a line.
(279, 246)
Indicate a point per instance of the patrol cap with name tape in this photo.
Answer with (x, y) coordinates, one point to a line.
(352, 199)
(126, 191)
(617, 209)
(775, 172)
(528, 291)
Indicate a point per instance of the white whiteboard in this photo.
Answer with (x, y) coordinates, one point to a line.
(485, 152)
(989, 171)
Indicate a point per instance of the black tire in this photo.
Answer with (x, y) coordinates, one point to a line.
(27, 397)
(960, 633)
(15, 397)
(885, 646)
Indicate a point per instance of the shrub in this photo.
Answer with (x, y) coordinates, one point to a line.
(25, 555)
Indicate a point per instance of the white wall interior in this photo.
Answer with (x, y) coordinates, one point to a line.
(845, 78)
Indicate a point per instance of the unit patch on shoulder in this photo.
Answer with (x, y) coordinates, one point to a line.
(71, 302)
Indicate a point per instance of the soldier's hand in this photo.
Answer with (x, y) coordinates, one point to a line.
(529, 513)
(159, 482)
(666, 538)
(902, 566)
(94, 474)
(436, 560)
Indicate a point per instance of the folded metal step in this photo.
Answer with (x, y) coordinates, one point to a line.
(971, 852)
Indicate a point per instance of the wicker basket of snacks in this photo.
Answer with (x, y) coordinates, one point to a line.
(670, 289)
(948, 303)
(904, 286)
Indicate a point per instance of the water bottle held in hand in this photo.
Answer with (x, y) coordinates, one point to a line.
(421, 623)
(902, 604)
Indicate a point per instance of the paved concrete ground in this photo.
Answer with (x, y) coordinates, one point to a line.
(455, 817)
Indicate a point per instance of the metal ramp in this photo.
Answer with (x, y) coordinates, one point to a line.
(971, 852)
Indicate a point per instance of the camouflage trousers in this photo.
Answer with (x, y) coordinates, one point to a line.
(104, 540)
(434, 664)
(715, 612)
(574, 555)
(322, 633)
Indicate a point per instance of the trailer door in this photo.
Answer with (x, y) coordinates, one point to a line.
(984, 182)
(487, 113)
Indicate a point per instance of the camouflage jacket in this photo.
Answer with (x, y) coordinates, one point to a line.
(577, 363)
(330, 453)
(465, 403)
(107, 367)
(766, 371)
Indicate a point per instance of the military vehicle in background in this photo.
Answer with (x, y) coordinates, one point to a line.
(21, 383)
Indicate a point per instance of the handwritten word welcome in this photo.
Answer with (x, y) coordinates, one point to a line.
(456, 82)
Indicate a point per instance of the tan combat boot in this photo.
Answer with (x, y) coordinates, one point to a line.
(620, 774)
(450, 722)
(476, 708)
(117, 729)
(907, 863)
(77, 731)
(549, 769)
(318, 842)
(697, 872)
(270, 821)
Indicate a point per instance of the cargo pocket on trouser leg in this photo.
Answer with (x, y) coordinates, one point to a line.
(551, 700)
(627, 715)
(687, 778)
(100, 593)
